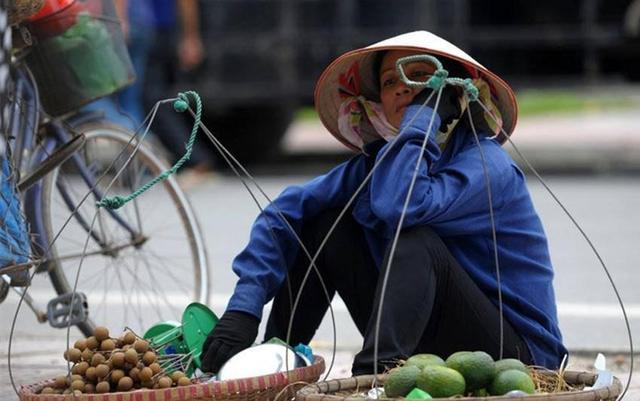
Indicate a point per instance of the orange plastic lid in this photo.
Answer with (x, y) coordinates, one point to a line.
(51, 7)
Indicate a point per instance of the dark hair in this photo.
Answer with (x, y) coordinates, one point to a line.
(455, 68)
(377, 64)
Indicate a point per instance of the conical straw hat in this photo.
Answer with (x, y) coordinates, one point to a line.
(327, 96)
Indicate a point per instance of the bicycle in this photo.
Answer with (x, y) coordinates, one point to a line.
(64, 163)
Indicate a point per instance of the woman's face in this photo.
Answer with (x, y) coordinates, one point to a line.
(394, 94)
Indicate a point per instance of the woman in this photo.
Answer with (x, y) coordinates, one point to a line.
(442, 294)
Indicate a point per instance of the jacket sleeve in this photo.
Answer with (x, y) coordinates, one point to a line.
(272, 247)
(453, 199)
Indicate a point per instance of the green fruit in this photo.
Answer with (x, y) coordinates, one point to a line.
(458, 354)
(440, 381)
(400, 381)
(481, 392)
(477, 368)
(422, 360)
(510, 380)
(510, 363)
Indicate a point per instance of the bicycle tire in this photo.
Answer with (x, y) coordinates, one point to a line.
(62, 277)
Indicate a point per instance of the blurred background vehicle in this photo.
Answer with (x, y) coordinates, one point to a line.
(263, 57)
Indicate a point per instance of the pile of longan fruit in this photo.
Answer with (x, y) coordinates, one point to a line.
(102, 364)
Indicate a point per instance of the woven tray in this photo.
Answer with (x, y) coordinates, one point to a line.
(346, 390)
(21, 9)
(262, 388)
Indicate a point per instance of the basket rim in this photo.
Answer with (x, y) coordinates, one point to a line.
(20, 10)
(321, 390)
(218, 390)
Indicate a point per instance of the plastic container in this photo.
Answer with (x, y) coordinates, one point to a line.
(186, 338)
(80, 54)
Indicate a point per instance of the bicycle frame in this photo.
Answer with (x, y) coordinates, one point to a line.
(27, 127)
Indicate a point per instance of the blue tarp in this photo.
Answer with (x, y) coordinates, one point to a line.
(14, 237)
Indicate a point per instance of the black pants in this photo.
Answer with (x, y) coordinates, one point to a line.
(431, 305)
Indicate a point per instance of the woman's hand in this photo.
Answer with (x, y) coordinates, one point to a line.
(190, 52)
(448, 109)
(234, 332)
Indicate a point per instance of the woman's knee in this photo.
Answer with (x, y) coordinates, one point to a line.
(424, 234)
(421, 244)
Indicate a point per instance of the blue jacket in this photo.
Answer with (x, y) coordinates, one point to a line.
(450, 196)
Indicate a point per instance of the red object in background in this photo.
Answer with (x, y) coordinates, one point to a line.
(51, 7)
(55, 17)
(96, 7)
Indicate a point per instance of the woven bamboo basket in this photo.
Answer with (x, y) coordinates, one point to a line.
(19, 10)
(279, 386)
(351, 389)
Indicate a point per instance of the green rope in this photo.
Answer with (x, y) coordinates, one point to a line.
(468, 87)
(180, 105)
(438, 79)
(435, 82)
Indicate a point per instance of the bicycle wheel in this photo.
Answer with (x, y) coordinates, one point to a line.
(143, 263)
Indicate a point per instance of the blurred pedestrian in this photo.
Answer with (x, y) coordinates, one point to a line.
(125, 108)
(150, 28)
(177, 50)
(138, 27)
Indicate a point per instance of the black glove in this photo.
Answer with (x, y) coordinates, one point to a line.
(234, 332)
(449, 108)
(480, 123)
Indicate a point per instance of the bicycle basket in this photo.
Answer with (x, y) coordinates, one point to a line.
(80, 55)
